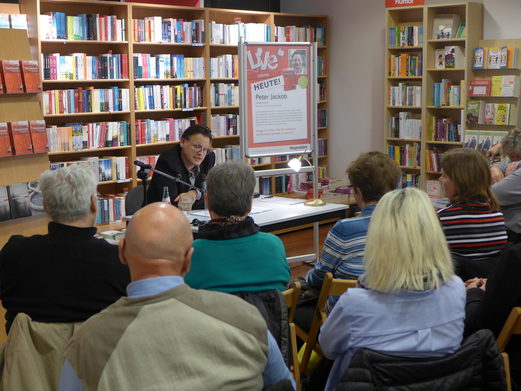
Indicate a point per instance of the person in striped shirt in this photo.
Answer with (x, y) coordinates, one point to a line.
(371, 175)
(472, 223)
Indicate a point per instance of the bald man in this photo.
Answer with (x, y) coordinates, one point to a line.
(165, 335)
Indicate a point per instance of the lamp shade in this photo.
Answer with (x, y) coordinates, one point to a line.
(295, 164)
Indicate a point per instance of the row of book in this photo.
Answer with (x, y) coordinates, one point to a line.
(407, 155)
(147, 159)
(20, 200)
(181, 96)
(85, 100)
(224, 66)
(409, 180)
(224, 94)
(480, 112)
(322, 90)
(86, 136)
(80, 66)
(85, 27)
(496, 57)
(149, 131)
(228, 152)
(507, 85)
(443, 129)
(405, 95)
(13, 21)
(167, 66)
(483, 139)
(20, 76)
(433, 159)
(322, 118)
(405, 64)
(446, 93)
(406, 35)
(301, 34)
(449, 57)
(169, 30)
(225, 124)
(230, 34)
(109, 168)
(321, 66)
(404, 126)
(111, 208)
(23, 137)
(322, 147)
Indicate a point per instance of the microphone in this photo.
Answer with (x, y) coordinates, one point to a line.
(142, 165)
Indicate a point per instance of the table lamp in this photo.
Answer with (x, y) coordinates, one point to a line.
(295, 164)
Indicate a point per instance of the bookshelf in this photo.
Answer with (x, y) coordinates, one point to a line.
(18, 169)
(413, 149)
(488, 132)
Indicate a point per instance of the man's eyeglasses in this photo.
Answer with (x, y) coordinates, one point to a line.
(199, 148)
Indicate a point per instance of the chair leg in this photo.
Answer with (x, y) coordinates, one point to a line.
(295, 363)
(506, 362)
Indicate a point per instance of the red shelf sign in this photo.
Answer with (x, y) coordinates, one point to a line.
(402, 3)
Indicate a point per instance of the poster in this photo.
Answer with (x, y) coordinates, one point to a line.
(278, 95)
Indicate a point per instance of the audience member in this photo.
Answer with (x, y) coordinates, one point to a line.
(166, 335)
(472, 223)
(371, 175)
(410, 303)
(507, 186)
(66, 275)
(231, 254)
(190, 160)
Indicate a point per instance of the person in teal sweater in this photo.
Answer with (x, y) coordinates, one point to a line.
(231, 254)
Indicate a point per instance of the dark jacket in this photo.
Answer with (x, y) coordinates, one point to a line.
(67, 275)
(476, 365)
(170, 163)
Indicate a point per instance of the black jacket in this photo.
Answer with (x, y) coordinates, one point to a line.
(170, 162)
(476, 365)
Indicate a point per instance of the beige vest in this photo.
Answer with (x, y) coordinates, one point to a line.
(182, 339)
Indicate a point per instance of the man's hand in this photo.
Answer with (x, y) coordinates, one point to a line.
(511, 168)
(476, 283)
(186, 200)
(496, 174)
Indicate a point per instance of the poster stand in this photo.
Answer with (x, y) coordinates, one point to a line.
(278, 106)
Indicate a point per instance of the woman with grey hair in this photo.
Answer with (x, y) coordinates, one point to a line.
(231, 254)
(507, 186)
(66, 275)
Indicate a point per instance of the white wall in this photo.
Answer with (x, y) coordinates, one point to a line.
(356, 67)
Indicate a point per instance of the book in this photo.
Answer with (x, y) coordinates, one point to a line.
(20, 137)
(497, 136)
(490, 111)
(462, 30)
(25, 199)
(475, 112)
(4, 21)
(5, 142)
(471, 139)
(494, 58)
(5, 210)
(497, 85)
(485, 140)
(11, 76)
(454, 57)
(510, 86)
(512, 57)
(445, 26)
(480, 55)
(19, 21)
(31, 76)
(479, 87)
(439, 58)
(503, 63)
(502, 114)
(38, 136)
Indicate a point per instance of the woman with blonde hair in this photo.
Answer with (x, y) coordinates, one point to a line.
(410, 303)
(473, 225)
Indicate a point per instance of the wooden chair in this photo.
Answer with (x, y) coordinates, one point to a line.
(512, 326)
(291, 296)
(330, 287)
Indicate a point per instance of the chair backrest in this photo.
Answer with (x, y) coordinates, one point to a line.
(291, 297)
(134, 200)
(32, 356)
(332, 287)
(512, 326)
(476, 365)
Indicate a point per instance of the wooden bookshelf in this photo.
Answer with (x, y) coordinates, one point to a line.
(472, 14)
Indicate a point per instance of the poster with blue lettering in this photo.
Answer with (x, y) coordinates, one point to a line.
(278, 95)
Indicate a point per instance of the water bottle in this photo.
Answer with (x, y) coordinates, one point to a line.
(166, 195)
